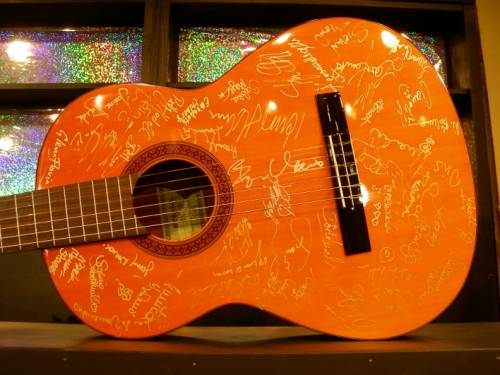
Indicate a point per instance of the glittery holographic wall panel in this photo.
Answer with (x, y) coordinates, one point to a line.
(84, 55)
(433, 48)
(21, 137)
(205, 53)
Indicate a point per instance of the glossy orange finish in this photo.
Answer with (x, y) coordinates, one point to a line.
(279, 253)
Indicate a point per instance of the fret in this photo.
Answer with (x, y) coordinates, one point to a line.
(34, 218)
(88, 212)
(26, 228)
(101, 210)
(128, 215)
(74, 216)
(17, 221)
(95, 211)
(115, 207)
(132, 226)
(42, 219)
(25, 221)
(66, 212)
(51, 218)
(136, 224)
(70, 214)
(81, 211)
(9, 225)
(121, 201)
(109, 206)
(56, 206)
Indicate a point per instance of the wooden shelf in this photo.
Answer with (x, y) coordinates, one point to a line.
(75, 349)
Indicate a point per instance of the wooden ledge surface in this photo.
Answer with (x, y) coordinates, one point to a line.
(76, 349)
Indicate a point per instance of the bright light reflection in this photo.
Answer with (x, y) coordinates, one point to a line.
(19, 51)
(246, 50)
(282, 39)
(364, 195)
(390, 40)
(349, 111)
(6, 144)
(272, 106)
(54, 116)
(98, 101)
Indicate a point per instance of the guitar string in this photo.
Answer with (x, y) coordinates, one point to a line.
(133, 209)
(169, 213)
(319, 168)
(194, 177)
(162, 173)
(203, 175)
(94, 213)
(103, 196)
(260, 161)
(153, 225)
(197, 177)
(197, 187)
(66, 208)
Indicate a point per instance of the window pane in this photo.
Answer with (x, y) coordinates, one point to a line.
(21, 137)
(205, 53)
(83, 55)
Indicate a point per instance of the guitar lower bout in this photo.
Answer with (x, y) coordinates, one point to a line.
(183, 197)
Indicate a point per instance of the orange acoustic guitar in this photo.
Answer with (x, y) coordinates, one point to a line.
(325, 179)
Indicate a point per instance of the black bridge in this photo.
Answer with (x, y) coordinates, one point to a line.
(345, 179)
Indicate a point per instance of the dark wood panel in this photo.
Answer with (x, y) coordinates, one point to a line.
(487, 193)
(63, 14)
(405, 4)
(157, 44)
(74, 349)
(42, 95)
(281, 14)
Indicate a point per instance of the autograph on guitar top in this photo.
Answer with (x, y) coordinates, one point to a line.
(325, 179)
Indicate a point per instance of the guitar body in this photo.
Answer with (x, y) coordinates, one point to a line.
(269, 233)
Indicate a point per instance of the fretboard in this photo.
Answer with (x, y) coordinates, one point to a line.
(69, 215)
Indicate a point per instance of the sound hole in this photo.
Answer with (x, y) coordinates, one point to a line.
(174, 200)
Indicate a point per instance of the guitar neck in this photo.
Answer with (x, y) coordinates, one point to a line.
(69, 215)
